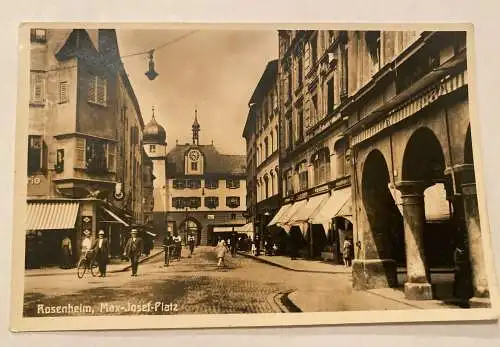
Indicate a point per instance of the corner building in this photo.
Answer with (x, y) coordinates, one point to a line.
(85, 157)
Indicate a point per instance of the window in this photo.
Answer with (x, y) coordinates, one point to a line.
(373, 44)
(194, 166)
(289, 129)
(232, 183)
(233, 201)
(303, 177)
(178, 202)
(38, 88)
(98, 90)
(300, 127)
(111, 157)
(300, 73)
(314, 109)
(266, 145)
(271, 148)
(272, 184)
(152, 148)
(38, 35)
(321, 163)
(329, 96)
(193, 202)
(178, 184)
(37, 153)
(211, 184)
(344, 66)
(314, 49)
(63, 92)
(266, 183)
(193, 184)
(59, 165)
(288, 183)
(211, 202)
(95, 155)
(289, 90)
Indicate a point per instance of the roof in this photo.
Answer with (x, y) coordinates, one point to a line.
(79, 44)
(215, 163)
(266, 82)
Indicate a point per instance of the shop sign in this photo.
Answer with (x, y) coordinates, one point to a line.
(37, 185)
(413, 105)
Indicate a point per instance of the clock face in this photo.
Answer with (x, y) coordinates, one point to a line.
(194, 155)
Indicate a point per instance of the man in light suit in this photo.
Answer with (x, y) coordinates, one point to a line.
(133, 250)
(100, 247)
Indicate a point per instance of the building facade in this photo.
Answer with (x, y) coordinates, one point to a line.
(315, 175)
(83, 116)
(204, 192)
(375, 146)
(262, 136)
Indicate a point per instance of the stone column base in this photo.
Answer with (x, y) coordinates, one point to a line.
(418, 291)
(374, 273)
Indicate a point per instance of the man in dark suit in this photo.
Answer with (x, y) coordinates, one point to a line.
(133, 250)
(100, 247)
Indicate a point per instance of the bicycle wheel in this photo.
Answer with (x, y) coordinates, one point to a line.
(81, 268)
(94, 268)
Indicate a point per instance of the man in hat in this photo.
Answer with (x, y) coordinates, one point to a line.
(100, 247)
(133, 250)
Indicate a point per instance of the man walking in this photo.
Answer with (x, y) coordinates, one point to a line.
(100, 248)
(190, 240)
(133, 250)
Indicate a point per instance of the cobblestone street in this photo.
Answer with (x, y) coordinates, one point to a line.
(196, 285)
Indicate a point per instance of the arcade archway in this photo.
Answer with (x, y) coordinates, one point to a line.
(384, 220)
(190, 226)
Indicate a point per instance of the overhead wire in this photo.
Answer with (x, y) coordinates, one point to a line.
(163, 45)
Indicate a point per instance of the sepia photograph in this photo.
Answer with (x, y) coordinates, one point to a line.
(201, 176)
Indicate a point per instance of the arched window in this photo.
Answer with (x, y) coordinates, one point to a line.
(272, 183)
(266, 186)
(321, 164)
(340, 148)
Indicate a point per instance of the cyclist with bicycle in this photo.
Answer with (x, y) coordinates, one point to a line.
(86, 258)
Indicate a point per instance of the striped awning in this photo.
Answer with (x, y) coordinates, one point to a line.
(51, 215)
(115, 217)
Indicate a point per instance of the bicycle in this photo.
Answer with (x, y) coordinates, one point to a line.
(87, 261)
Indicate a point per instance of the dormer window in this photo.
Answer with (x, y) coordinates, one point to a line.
(152, 148)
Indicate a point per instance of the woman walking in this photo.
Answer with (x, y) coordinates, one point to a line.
(346, 250)
(221, 250)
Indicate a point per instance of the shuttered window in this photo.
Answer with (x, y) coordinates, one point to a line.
(98, 90)
(38, 88)
(80, 153)
(63, 92)
(111, 157)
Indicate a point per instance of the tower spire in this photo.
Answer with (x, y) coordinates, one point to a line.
(196, 128)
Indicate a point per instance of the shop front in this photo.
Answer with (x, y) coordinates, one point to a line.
(47, 224)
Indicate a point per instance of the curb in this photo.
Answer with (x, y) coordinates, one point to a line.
(282, 303)
(289, 268)
(140, 262)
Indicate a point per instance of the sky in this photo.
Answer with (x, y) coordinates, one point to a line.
(214, 71)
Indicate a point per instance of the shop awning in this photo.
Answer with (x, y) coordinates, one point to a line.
(277, 217)
(306, 211)
(223, 229)
(286, 217)
(437, 208)
(333, 207)
(244, 228)
(115, 217)
(51, 215)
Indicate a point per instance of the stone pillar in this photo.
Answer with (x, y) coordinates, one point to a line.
(417, 286)
(471, 213)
